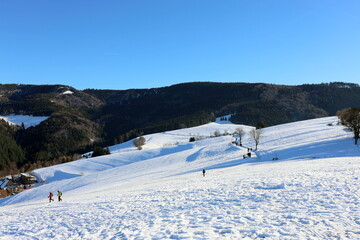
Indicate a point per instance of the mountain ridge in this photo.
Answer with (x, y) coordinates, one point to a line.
(82, 119)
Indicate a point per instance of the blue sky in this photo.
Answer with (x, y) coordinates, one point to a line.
(144, 44)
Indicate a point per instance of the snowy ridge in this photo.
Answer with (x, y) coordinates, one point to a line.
(311, 192)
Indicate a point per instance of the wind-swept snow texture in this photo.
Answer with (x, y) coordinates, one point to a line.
(28, 120)
(311, 192)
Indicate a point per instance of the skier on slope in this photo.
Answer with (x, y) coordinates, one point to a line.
(50, 197)
(203, 171)
(59, 194)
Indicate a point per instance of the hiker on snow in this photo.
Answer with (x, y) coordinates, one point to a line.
(204, 172)
(59, 194)
(50, 197)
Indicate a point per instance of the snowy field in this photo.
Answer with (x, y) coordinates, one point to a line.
(28, 120)
(311, 192)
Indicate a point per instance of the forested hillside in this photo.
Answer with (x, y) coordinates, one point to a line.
(11, 154)
(80, 120)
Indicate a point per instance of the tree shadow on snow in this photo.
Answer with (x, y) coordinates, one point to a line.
(312, 151)
(325, 149)
(194, 156)
(231, 163)
(60, 175)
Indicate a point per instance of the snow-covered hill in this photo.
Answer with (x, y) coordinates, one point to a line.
(311, 192)
(27, 120)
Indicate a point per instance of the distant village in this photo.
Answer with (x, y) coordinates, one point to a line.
(14, 184)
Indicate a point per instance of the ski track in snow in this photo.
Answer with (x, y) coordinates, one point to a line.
(161, 193)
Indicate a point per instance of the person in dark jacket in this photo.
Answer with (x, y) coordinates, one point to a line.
(203, 172)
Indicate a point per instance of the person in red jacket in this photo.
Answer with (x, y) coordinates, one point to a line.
(50, 197)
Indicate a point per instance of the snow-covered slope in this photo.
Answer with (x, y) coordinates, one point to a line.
(28, 120)
(311, 192)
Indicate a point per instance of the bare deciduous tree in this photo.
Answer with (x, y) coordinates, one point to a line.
(350, 117)
(354, 126)
(217, 133)
(139, 142)
(256, 135)
(240, 132)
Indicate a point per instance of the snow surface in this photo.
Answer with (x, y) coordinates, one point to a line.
(218, 120)
(68, 92)
(311, 192)
(28, 120)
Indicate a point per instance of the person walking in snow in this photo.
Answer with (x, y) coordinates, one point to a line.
(203, 172)
(50, 197)
(59, 194)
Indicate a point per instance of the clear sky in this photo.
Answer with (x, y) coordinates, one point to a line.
(122, 44)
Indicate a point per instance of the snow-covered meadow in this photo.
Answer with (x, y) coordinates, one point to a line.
(27, 120)
(311, 192)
